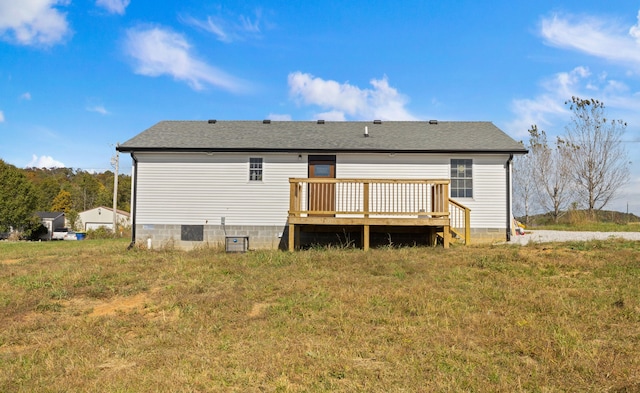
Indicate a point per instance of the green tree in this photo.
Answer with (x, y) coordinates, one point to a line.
(17, 197)
(48, 188)
(73, 218)
(33, 229)
(599, 163)
(124, 192)
(105, 196)
(85, 191)
(62, 202)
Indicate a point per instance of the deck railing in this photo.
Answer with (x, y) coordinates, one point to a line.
(364, 200)
(460, 221)
(369, 198)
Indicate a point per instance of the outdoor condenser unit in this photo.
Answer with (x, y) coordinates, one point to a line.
(237, 243)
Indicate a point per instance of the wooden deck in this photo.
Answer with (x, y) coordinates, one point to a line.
(423, 204)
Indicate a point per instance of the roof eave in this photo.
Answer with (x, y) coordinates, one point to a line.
(126, 149)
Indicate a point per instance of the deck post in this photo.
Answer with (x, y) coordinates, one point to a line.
(365, 237)
(467, 226)
(296, 241)
(365, 209)
(431, 236)
(293, 198)
(292, 229)
(365, 199)
(446, 236)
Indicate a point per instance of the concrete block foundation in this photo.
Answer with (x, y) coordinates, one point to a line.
(275, 237)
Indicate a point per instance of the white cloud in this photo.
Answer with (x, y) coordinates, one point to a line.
(279, 117)
(538, 111)
(98, 109)
(547, 109)
(343, 100)
(44, 162)
(331, 116)
(33, 22)
(25, 96)
(158, 51)
(594, 36)
(113, 6)
(634, 31)
(1, 117)
(212, 25)
(227, 30)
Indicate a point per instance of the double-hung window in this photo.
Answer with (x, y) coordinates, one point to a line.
(255, 169)
(461, 178)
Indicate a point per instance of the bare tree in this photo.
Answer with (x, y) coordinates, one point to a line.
(599, 162)
(551, 172)
(524, 188)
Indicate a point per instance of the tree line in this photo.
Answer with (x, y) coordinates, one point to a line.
(585, 168)
(23, 192)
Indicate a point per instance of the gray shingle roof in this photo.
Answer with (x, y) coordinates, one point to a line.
(308, 136)
(49, 215)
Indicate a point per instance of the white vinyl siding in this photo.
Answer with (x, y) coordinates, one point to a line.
(488, 205)
(392, 166)
(199, 189)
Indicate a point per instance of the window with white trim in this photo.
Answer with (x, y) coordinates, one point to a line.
(461, 178)
(255, 169)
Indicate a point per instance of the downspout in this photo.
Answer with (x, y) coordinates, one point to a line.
(134, 197)
(508, 173)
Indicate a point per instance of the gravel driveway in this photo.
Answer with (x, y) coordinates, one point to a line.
(543, 236)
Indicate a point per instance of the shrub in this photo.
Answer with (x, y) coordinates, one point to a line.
(100, 233)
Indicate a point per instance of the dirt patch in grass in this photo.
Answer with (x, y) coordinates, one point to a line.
(139, 303)
(120, 304)
(258, 310)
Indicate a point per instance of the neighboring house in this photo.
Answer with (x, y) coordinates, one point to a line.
(103, 217)
(282, 184)
(51, 221)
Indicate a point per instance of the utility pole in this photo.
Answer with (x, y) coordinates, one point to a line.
(114, 161)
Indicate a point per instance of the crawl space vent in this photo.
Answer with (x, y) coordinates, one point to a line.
(237, 243)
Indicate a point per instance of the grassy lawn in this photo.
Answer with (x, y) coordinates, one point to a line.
(92, 316)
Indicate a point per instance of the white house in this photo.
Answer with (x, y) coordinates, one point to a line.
(103, 217)
(51, 221)
(280, 184)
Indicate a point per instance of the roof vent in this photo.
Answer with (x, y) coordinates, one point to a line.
(266, 121)
(377, 122)
(433, 121)
(320, 121)
(212, 121)
(366, 131)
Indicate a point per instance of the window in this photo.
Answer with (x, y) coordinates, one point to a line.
(321, 170)
(461, 178)
(255, 169)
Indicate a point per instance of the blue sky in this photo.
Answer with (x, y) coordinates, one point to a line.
(76, 77)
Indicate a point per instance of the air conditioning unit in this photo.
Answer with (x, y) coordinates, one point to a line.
(237, 243)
